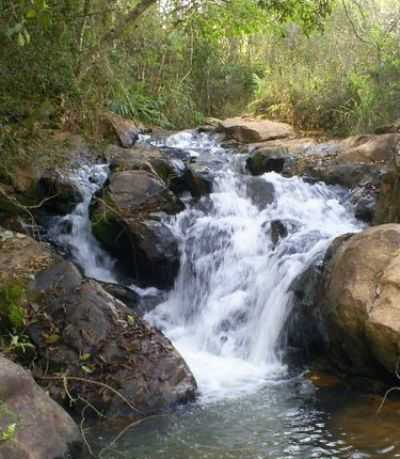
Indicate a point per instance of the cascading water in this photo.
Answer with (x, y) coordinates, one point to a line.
(73, 232)
(241, 249)
(232, 298)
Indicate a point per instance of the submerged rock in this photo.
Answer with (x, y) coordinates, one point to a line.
(278, 231)
(86, 333)
(255, 130)
(32, 425)
(260, 192)
(360, 301)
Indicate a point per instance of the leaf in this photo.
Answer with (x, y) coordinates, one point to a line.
(31, 14)
(87, 369)
(9, 433)
(52, 339)
(85, 357)
(21, 39)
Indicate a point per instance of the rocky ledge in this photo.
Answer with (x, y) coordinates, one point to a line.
(90, 351)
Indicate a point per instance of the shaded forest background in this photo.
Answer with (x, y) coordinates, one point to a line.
(317, 64)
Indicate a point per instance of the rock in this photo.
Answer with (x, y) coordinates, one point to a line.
(21, 257)
(171, 165)
(134, 192)
(125, 220)
(260, 192)
(346, 175)
(126, 131)
(278, 231)
(369, 148)
(364, 200)
(388, 205)
(297, 146)
(267, 160)
(393, 128)
(360, 298)
(37, 426)
(305, 329)
(82, 331)
(248, 130)
(60, 192)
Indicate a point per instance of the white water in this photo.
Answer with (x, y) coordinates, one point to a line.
(231, 300)
(73, 231)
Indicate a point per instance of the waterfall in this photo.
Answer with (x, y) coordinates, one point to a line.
(231, 299)
(73, 232)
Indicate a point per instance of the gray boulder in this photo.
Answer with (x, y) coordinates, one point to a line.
(32, 425)
(124, 366)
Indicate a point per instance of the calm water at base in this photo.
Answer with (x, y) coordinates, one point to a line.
(283, 420)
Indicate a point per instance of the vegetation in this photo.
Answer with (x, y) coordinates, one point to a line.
(169, 63)
(330, 64)
(344, 80)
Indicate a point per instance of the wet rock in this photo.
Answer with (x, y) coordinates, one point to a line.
(267, 160)
(60, 192)
(139, 300)
(248, 130)
(347, 175)
(360, 301)
(171, 165)
(37, 426)
(305, 329)
(261, 192)
(125, 221)
(278, 231)
(364, 200)
(84, 332)
(122, 293)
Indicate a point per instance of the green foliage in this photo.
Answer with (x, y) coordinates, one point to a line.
(12, 312)
(9, 419)
(63, 63)
(346, 80)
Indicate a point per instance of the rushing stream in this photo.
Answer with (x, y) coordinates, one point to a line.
(227, 313)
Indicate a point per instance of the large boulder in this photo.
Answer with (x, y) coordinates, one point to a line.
(361, 302)
(171, 165)
(126, 221)
(248, 130)
(268, 160)
(369, 148)
(32, 425)
(111, 358)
